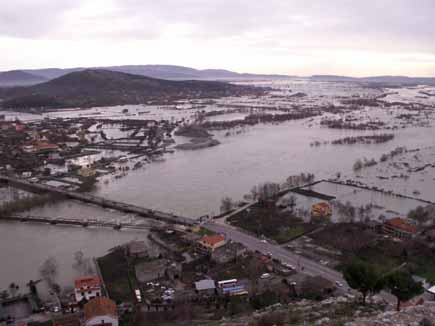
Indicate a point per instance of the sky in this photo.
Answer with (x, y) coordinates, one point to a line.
(295, 37)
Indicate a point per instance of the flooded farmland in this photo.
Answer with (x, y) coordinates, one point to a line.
(192, 183)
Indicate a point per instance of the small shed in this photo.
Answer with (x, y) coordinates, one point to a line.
(205, 287)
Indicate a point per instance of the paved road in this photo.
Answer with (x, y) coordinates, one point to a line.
(310, 267)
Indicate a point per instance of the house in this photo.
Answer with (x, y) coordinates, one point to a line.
(212, 242)
(322, 209)
(400, 228)
(39, 147)
(86, 172)
(136, 249)
(205, 287)
(100, 311)
(87, 288)
(228, 252)
(44, 147)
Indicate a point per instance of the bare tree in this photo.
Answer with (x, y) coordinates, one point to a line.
(13, 289)
(83, 265)
(227, 205)
(267, 190)
(49, 272)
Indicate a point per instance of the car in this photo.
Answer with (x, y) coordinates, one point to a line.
(263, 241)
(269, 254)
(289, 266)
(338, 284)
(264, 275)
(138, 295)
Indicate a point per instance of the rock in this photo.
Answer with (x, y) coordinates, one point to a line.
(322, 321)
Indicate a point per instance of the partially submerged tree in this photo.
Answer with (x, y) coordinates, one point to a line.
(267, 190)
(227, 205)
(13, 289)
(364, 278)
(402, 286)
(49, 272)
(83, 265)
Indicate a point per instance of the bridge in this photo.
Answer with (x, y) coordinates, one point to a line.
(75, 222)
(96, 200)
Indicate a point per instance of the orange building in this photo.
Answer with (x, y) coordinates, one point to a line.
(101, 311)
(322, 209)
(400, 228)
(212, 242)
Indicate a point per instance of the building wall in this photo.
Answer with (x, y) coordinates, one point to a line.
(88, 294)
(102, 320)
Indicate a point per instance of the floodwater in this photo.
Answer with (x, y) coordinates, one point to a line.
(192, 183)
(25, 246)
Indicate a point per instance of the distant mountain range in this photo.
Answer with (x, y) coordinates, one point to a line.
(89, 88)
(28, 77)
(18, 77)
(169, 72)
(404, 80)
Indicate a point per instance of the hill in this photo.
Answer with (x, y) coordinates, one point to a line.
(19, 78)
(393, 80)
(90, 88)
(160, 71)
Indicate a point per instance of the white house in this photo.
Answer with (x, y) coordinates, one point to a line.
(87, 288)
(100, 311)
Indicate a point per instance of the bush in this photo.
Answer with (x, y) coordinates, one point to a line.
(270, 319)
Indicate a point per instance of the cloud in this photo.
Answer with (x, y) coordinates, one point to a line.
(32, 19)
(272, 31)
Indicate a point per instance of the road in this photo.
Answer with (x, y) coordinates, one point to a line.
(310, 267)
(301, 263)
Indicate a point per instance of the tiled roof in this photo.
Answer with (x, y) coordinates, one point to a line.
(212, 239)
(90, 282)
(100, 306)
(402, 225)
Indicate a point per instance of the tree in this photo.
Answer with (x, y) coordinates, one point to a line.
(358, 165)
(402, 286)
(82, 264)
(226, 205)
(4, 295)
(49, 272)
(267, 190)
(363, 277)
(13, 289)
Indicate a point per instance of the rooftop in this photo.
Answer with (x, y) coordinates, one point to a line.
(100, 306)
(402, 225)
(212, 239)
(89, 281)
(205, 285)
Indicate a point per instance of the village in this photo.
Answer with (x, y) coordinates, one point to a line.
(198, 273)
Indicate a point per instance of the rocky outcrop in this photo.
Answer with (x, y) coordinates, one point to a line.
(423, 315)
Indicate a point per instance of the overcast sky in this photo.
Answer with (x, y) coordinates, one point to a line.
(301, 37)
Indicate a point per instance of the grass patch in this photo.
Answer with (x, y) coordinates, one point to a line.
(117, 276)
(289, 233)
(271, 222)
(203, 232)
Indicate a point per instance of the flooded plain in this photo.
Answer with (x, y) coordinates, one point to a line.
(192, 183)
